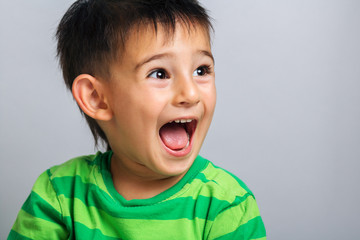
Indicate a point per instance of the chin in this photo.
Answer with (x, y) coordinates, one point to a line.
(176, 166)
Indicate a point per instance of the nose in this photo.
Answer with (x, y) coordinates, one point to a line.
(186, 92)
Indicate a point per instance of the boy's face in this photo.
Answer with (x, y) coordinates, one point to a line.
(161, 80)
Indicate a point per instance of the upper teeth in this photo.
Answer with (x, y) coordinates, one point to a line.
(181, 120)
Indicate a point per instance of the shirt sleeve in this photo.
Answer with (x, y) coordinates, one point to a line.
(40, 216)
(240, 221)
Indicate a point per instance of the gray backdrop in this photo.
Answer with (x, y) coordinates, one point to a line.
(287, 120)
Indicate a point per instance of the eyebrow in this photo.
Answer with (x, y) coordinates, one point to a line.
(209, 54)
(167, 55)
(152, 58)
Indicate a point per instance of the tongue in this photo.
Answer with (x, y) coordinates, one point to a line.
(174, 136)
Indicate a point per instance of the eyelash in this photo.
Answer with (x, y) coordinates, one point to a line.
(207, 69)
(160, 70)
(165, 75)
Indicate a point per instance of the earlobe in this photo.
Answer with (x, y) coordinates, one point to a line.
(90, 96)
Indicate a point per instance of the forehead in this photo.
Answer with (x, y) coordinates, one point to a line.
(145, 38)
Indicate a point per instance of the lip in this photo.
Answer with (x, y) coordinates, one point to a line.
(185, 151)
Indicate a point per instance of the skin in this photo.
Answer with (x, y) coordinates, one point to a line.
(158, 79)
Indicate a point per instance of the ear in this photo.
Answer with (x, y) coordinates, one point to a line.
(90, 95)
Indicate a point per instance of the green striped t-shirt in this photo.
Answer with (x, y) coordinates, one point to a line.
(77, 200)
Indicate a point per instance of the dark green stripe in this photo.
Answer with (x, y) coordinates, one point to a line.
(253, 229)
(38, 207)
(17, 236)
(201, 176)
(92, 196)
(238, 200)
(198, 165)
(85, 233)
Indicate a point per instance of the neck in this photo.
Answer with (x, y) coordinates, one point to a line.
(133, 185)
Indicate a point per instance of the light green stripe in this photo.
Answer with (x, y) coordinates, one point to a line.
(76, 166)
(91, 194)
(85, 167)
(37, 207)
(216, 183)
(74, 187)
(233, 177)
(38, 228)
(198, 164)
(93, 218)
(44, 191)
(87, 233)
(226, 180)
(210, 189)
(239, 214)
(201, 176)
(253, 229)
(202, 207)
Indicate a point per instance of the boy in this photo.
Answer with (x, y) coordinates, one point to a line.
(142, 73)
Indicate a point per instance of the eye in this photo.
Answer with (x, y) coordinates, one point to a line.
(201, 71)
(158, 74)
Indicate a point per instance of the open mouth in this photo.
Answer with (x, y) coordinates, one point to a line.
(177, 135)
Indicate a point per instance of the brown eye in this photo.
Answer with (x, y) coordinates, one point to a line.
(201, 71)
(159, 74)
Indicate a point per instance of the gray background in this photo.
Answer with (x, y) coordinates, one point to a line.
(287, 120)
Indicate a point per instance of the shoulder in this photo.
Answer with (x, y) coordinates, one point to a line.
(223, 181)
(80, 170)
(236, 214)
(49, 204)
(76, 166)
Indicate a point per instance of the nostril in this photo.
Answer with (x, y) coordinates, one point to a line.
(188, 103)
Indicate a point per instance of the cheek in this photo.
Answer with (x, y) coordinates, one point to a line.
(137, 99)
(209, 98)
(146, 108)
(153, 100)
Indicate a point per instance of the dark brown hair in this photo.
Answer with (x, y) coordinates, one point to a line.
(92, 34)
